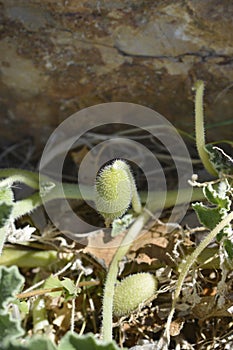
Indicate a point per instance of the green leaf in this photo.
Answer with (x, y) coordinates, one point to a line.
(18, 346)
(215, 198)
(22, 305)
(6, 207)
(53, 282)
(209, 217)
(6, 195)
(72, 341)
(228, 245)
(221, 161)
(40, 343)
(5, 213)
(9, 329)
(10, 282)
(121, 224)
(69, 286)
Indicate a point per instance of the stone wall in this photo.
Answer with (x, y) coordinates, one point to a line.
(57, 57)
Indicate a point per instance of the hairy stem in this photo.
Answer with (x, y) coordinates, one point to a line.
(185, 267)
(73, 191)
(26, 257)
(113, 272)
(199, 128)
(11, 175)
(136, 201)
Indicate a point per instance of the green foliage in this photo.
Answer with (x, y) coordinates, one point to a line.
(11, 332)
(72, 341)
(115, 191)
(209, 217)
(219, 206)
(121, 224)
(6, 194)
(5, 212)
(10, 283)
(221, 161)
(9, 329)
(40, 343)
(6, 204)
(68, 288)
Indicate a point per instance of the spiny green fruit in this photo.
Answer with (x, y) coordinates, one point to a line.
(113, 191)
(132, 291)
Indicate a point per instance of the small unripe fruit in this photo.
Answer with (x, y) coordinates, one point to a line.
(133, 291)
(113, 191)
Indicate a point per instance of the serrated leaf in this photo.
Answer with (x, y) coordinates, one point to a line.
(6, 195)
(228, 245)
(10, 282)
(213, 197)
(22, 305)
(209, 217)
(72, 341)
(9, 329)
(11, 346)
(69, 285)
(221, 161)
(121, 224)
(40, 343)
(53, 282)
(5, 213)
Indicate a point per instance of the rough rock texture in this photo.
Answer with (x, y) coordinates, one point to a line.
(57, 57)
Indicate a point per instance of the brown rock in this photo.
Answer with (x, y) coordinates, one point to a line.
(58, 57)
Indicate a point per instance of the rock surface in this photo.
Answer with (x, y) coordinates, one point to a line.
(58, 57)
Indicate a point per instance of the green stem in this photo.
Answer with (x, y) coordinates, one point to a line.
(122, 250)
(136, 201)
(199, 128)
(185, 267)
(26, 206)
(27, 258)
(11, 175)
(73, 191)
(131, 235)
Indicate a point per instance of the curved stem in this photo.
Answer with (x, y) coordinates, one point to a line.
(29, 258)
(12, 175)
(136, 201)
(73, 191)
(113, 272)
(199, 128)
(26, 206)
(185, 267)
